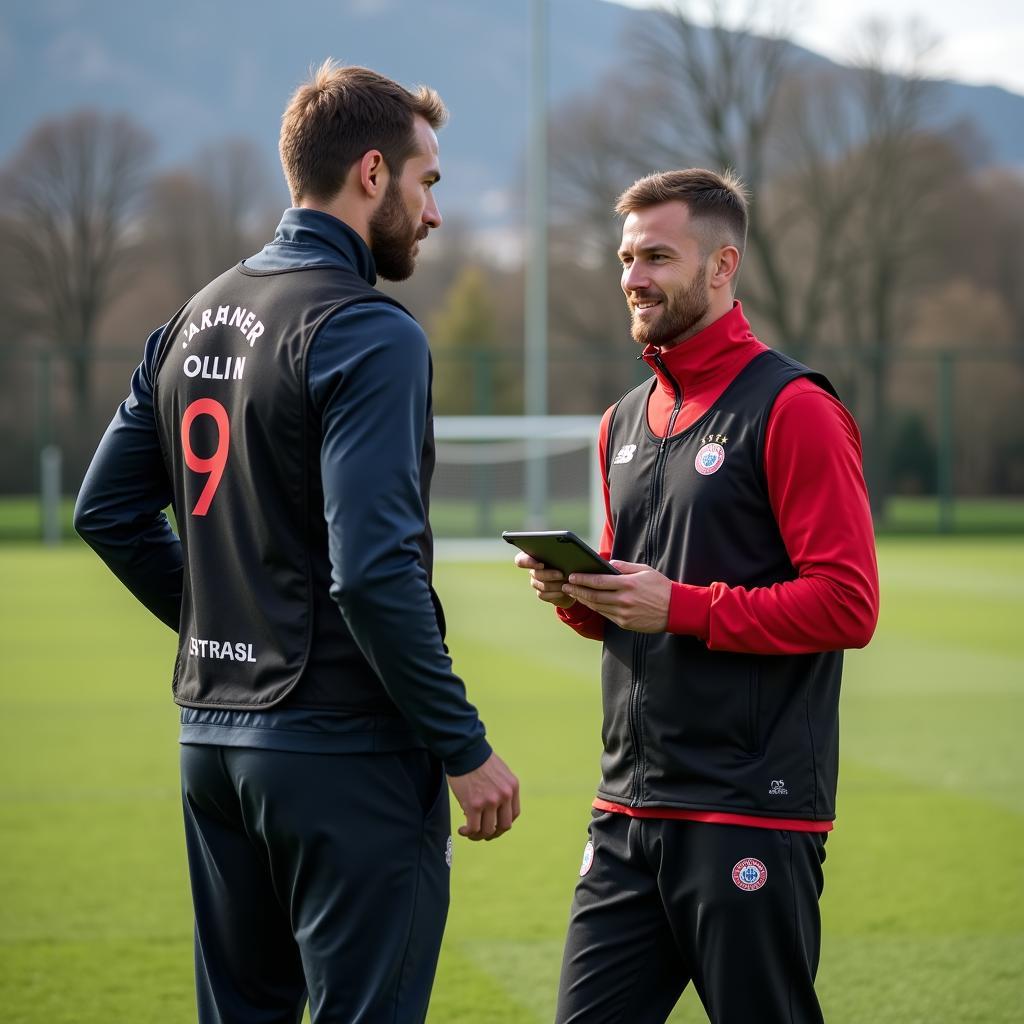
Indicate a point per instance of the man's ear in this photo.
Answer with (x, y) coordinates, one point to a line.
(373, 173)
(726, 263)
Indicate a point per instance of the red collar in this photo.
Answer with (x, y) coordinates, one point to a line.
(716, 352)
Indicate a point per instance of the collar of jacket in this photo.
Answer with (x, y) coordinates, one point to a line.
(329, 241)
(712, 353)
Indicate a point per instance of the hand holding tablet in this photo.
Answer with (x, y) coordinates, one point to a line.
(561, 550)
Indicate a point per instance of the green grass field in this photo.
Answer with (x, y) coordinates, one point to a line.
(924, 897)
(21, 517)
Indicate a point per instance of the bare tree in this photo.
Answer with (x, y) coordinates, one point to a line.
(234, 171)
(594, 155)
(70, 193)
(736, 93)
(903, 171)
(986, 240)
(177, 209)
(844, 175)
(205, 218)
(721, 95)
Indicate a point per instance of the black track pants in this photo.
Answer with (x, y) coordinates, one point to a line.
(319, 876)
(665, 902)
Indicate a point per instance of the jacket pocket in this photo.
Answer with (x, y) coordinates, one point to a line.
(700, 708)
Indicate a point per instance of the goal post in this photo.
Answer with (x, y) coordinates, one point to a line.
(486, 468)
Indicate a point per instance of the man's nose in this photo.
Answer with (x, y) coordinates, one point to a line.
(634, 278)
(431, 214)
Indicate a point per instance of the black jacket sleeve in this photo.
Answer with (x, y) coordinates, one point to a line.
(119, 511)
(369, 382)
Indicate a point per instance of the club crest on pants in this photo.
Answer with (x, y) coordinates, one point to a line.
(749, 874)
(588, 858)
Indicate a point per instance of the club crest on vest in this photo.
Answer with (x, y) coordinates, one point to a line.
(711, 456)
(624, 454)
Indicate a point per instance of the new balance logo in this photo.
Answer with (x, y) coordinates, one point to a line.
(778, 788)
(624, 454)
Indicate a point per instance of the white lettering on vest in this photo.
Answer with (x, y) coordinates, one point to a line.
(244, 319)
(209, 367)
(221, 650)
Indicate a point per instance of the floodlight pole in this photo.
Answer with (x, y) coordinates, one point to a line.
(535, 364)
(945, 446)
(49, 472)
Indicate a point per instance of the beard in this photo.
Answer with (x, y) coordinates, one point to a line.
(680, 312)
(393, 236)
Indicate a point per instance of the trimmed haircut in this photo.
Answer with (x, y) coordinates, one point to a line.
(717, 202)
(343, 112)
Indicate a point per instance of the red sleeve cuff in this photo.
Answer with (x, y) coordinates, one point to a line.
(583, 620)
(689, 610)
(577, 614)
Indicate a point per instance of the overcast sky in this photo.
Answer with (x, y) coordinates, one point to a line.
(981, 41)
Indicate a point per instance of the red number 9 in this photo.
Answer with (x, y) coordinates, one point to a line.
(214, 465)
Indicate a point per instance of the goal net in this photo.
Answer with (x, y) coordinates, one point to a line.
(497, 473)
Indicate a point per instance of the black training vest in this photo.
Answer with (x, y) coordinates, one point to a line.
(242, 448)
(685, 726)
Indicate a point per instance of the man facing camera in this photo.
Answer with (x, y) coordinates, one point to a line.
(737, 513)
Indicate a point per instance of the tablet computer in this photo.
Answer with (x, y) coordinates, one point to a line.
(560, 549)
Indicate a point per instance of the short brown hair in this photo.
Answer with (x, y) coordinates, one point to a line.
(716, 199)
(340, 114)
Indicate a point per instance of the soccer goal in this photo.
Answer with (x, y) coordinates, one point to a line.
(497, 473)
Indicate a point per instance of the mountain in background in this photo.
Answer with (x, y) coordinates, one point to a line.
(192, 72)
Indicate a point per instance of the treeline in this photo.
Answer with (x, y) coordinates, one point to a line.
(879, 251)
(876, 244)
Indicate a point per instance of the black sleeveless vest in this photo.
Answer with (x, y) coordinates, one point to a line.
(258, 624)
(685, 726)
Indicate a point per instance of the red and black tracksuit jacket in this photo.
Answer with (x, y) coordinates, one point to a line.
(736, 473)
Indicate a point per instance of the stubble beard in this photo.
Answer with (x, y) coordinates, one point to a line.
(680, 313)
(393, 236)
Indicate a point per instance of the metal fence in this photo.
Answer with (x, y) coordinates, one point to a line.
(954, 425)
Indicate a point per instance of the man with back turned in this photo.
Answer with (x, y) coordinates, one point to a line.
(285, 413)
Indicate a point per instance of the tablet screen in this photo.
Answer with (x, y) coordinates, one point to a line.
(560, 549)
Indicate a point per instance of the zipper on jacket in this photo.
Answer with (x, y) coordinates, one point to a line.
(639, 649)
(640, 641)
